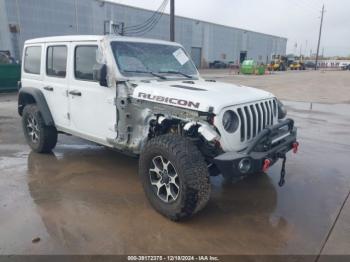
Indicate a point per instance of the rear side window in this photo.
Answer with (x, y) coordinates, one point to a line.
(84, 62)
(32, 60)
(56, 61)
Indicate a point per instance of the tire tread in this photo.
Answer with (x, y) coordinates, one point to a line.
(196, 174)
(49, 133)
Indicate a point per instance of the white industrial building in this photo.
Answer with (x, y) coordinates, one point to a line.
(24, 19)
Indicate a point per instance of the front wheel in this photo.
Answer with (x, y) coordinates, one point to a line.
(174, 175)
(41, 138)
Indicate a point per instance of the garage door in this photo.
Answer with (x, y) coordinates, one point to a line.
(196, 54)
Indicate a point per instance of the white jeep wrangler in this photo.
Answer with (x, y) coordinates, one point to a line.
(145, 98)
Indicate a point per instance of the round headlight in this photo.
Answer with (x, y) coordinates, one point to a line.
(282, 111)
(230, 121)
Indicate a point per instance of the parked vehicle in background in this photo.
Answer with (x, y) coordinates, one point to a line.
(310, 64)
(345, 66)
(10, 72)
(278, 63)
(297, 65)
(217, 64)
(233, 65)
(145, 98)
(6, 58)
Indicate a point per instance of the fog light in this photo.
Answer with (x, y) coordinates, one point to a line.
(244, 165)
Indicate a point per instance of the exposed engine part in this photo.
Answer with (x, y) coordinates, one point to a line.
(139, 121)
(123, 126)
(161, 119)
(208, 133)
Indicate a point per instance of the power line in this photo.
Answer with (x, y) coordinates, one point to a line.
(147, 27)
(150, 28)
(150, 23)
(149, 20)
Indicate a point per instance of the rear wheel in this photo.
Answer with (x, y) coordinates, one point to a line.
(174, 175)
(41, 138)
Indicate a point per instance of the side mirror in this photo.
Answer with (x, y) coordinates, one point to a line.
(100, 74)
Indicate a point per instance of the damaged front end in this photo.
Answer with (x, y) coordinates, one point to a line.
(270, 145)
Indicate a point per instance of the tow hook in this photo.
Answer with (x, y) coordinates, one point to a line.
(266, 165)
(295, 147)
(283, 171)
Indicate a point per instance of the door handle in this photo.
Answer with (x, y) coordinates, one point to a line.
(75, 93)
(48, 88)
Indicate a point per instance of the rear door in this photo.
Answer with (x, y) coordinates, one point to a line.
(33, 66)
(92, 109)
(55, 88)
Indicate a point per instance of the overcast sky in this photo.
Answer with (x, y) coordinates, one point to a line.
(298, 20)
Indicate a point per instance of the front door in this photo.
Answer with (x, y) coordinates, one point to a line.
(92, 109)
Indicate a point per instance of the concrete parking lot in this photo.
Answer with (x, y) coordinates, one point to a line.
(86, 199)
(323, 86)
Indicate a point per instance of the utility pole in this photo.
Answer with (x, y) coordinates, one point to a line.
(319, 38)
(172, 20)
(306, 47)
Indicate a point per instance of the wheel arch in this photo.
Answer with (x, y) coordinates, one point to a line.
(29, 95)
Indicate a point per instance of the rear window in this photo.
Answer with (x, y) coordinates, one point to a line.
(56, 61)
(85, 60)
(32, 60)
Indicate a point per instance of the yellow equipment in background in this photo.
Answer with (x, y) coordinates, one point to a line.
(278, 63)
(298, 64)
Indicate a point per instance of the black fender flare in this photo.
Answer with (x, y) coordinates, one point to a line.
(30, 95)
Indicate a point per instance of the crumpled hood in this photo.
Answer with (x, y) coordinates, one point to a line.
(198, 95)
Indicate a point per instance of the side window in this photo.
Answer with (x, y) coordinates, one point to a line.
(84, 62)
(32, 60)
(56, 61)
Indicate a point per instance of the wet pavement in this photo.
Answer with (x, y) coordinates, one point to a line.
(86, 199)
(323, 86)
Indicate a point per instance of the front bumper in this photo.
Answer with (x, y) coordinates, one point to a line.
(271, 144)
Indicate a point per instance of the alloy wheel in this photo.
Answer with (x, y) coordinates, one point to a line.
(33, 129)
(164, 179)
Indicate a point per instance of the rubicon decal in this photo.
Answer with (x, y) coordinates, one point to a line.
(169, 100)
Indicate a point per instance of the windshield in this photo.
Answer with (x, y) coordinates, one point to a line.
(155, 60)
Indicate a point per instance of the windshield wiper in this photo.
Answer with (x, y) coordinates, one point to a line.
(145, 72)
(176, 73)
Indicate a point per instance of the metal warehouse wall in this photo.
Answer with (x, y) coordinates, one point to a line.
(38, 18)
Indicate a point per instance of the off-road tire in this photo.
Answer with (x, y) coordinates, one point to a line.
(191, 168)
(47, 135)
